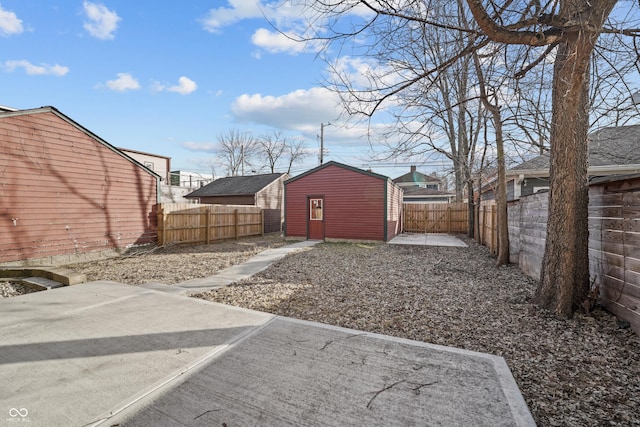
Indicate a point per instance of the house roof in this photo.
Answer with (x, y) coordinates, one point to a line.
(340, 165)
(613, 146)
(9, 112)
(415, 177)
(236, 185)
(420, 191)
(129, 150)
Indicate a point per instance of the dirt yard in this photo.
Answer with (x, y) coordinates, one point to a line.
(579, 372)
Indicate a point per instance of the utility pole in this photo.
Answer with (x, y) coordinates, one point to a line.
(242, 158)
(321, 142)
(322, 125)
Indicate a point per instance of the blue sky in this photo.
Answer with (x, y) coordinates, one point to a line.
(170, 77)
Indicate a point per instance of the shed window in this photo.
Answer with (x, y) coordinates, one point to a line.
(315, 209)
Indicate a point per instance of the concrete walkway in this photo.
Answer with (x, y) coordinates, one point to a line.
(254, 265)
(428, 239)
(106, 353)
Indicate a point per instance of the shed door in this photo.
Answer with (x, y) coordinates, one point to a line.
(315, 219)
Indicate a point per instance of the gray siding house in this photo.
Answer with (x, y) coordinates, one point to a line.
(612, 151)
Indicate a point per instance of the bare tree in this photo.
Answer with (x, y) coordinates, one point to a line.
(501, 190)
(572, 27)
(435, 115)
(564, 32)
(295, 151)
(272, 146)
(281, 152)
(236, 150)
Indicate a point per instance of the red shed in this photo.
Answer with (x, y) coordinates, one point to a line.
(339, 202)
(65, 192)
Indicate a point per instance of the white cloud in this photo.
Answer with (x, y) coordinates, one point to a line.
(35, 70)
(208, 147)
(123, 83)
(185, 86)
(289, 17)
(275, 42)
(299, 110)
(157, 87)
(9, 23)
(221, 17)
(284, 14)
(102, 22)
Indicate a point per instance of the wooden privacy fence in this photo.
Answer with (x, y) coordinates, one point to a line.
(435, 217)
(486, 232)
(203, 224)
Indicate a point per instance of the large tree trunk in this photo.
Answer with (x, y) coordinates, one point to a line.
(501, 192)
(471, 210)
(564, 281)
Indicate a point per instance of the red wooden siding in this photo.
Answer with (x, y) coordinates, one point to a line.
(354, 203)
(70, 193)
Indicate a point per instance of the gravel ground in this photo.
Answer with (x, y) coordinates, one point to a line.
(13, 289)
(579, 372)
(176, 263)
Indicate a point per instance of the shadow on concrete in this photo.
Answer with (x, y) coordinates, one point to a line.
(108, 346)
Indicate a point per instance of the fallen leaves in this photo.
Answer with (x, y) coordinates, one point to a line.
(579, 372)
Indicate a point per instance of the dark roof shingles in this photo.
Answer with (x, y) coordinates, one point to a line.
(236, 185)
(607, 147)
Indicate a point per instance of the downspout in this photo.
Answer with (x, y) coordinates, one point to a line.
(158, 189)
(284, 208)
(386, 206)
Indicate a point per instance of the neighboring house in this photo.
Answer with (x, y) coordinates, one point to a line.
(265, 191)
(190, 179)
(174, 185)
(338, 202)
(413, 178)
(157, 163)
(67, 192)
(422, 188)
(415, 194)
(612, 151)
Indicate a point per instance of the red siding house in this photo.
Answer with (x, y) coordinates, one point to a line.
(339, 202)
(67, 193)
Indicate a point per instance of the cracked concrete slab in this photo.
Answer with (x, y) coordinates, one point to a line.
(106, 353)
(295, 373)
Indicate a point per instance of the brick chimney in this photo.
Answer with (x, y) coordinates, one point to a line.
(413, 168)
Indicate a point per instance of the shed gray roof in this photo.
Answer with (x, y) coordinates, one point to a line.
(607, 147)
(420, 191)
(236, 185)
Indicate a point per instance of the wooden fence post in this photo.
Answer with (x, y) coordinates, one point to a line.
(448, 219)
(206, 225)
(262, 220)
(161, 224)
(483, 240)
(424, 218)
(494, 229)
(235, 220)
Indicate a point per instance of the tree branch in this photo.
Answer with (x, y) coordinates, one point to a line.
(509, 35)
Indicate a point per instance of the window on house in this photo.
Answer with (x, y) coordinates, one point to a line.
(315, 209)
